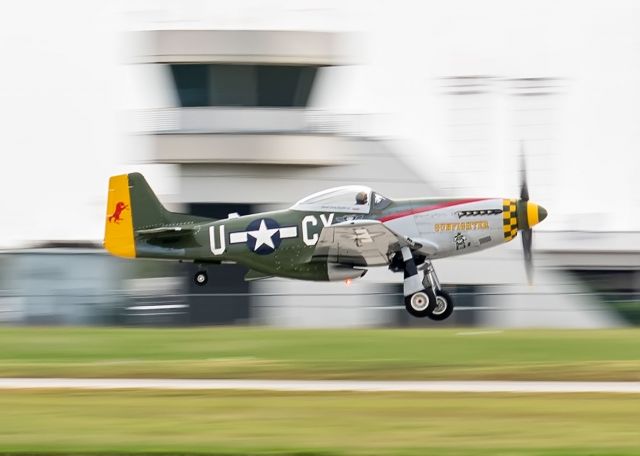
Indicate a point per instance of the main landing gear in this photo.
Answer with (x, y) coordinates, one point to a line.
(423, 295)
(444, 304)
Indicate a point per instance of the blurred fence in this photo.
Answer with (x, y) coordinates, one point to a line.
(130, 307)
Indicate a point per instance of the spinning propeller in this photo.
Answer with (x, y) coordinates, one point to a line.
(529, 214)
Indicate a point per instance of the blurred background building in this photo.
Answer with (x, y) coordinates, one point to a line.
(250, 107)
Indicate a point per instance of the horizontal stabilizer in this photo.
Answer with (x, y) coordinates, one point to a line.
(167, 231)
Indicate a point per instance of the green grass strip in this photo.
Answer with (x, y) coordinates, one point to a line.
(266, 423)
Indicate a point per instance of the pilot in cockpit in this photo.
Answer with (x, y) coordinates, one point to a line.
(361, 198)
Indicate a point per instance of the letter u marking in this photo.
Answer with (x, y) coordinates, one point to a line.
(217, 248)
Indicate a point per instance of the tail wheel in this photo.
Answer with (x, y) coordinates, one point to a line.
(201, 278)
(421, 303)
(443, 308)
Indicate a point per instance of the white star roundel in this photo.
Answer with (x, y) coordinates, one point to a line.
(263, 236)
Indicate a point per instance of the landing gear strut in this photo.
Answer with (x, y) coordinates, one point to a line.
(201, 278)
(443, 303)
(419, 300)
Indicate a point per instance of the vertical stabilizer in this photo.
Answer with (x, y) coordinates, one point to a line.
(148, 211)
(133, 208)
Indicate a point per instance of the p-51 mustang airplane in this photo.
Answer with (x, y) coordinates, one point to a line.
(332, 235)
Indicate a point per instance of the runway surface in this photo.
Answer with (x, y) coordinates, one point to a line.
(324, 385)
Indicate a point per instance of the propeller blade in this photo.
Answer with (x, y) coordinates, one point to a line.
(527, 240)
(524, 188)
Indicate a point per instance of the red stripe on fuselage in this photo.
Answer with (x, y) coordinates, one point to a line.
(433, 207)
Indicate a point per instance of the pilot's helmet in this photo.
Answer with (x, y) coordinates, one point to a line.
(361, 198)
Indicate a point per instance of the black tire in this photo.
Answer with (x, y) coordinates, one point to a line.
(416, 305)
(438, 313)
(201, 278)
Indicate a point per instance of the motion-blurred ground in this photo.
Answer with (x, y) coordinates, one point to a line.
(448, 354)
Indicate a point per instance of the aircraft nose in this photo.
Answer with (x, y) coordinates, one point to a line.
(542, 213)
(535, 214)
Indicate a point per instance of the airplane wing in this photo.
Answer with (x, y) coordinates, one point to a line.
(358, 243)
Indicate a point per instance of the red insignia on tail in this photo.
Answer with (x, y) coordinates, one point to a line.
(116, 216)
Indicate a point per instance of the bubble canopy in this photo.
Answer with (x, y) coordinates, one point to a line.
(355, 199)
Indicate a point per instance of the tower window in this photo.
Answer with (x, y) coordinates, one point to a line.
(243, 85)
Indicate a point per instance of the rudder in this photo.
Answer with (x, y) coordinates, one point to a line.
(118, 233)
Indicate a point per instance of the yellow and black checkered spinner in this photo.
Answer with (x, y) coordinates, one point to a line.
(509, 219)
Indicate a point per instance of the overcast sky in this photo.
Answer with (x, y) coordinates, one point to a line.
(65, 92)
